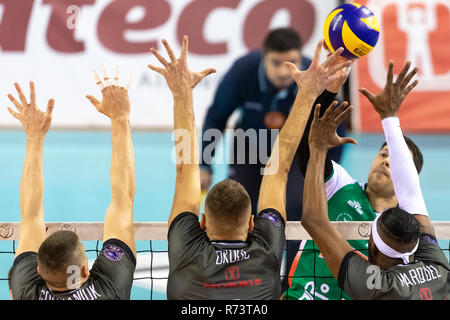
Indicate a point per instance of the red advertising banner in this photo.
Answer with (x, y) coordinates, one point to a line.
(58, 43)
(418, 31)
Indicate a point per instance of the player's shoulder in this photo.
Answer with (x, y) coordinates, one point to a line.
(270, 216)
(338, 179)
(185, 220)
(430, 251)
(25, 282)
(269, 229)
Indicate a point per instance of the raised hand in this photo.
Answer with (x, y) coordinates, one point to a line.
(388, 102)
(320, 76)
(323, 135)
(176, 72)
(35, 123)
(115, 103)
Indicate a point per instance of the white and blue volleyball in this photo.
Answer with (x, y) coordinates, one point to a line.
(353, 27)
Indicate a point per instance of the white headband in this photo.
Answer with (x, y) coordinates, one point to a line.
(385, 249)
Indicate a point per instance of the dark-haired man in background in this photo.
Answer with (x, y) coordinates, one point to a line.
(262, 88)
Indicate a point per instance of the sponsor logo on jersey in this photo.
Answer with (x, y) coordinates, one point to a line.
(344, 217)
(234, 284)
(425, 294)
(113, 253)
(355, 205)
(314, 294)
(232, 273)
(272, 217)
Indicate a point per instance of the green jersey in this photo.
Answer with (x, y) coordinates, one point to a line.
(309, 277)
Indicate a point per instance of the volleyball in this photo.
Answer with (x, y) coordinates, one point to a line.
(353, 27)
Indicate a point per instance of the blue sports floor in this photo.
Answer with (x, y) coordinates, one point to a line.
(77, 186)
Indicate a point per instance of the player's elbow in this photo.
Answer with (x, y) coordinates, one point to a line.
(305, 221)
(309, 220)
(123, 200)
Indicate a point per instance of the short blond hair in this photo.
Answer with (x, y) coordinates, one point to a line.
(228, 204)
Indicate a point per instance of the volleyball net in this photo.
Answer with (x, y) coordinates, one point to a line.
(152, 269)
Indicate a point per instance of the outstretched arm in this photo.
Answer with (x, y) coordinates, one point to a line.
(119, 215)
(315, 207)
(325, 99)
(311, 83)
(404, 174)
(35, 124)
(181, 82)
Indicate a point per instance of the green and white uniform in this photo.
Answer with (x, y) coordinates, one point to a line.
(309, 277)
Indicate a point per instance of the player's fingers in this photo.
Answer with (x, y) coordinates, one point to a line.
(316, 113)
(402, 73)
(342, 114)
(15, 102)
(116, 76)
(50, 106)
(346, 140)
(329, 111)
(156, 69)
(14, 113)
(32, 92)
(93, 100)
(106, 78)
(327, 50)
(100, 83)
(207, 72)
(169, 50)
(369, 95)
(328, 114)
(390, 73)
(21, 95)
(333, 57)
(129, 82)
(411, 86)
(291, 67)
(340, 66)
(184, 48)
(317, 52)
(409, 77)
(339, 109)
(159, 57)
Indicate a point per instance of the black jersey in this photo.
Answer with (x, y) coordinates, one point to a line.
(427, 278)
(110, 278)
(203, 269)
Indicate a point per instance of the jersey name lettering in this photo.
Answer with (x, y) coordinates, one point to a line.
(230, 256)
(87, 293)
(418, 276)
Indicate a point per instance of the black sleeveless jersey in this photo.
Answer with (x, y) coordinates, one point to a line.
(202, 269)
(110, 278)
